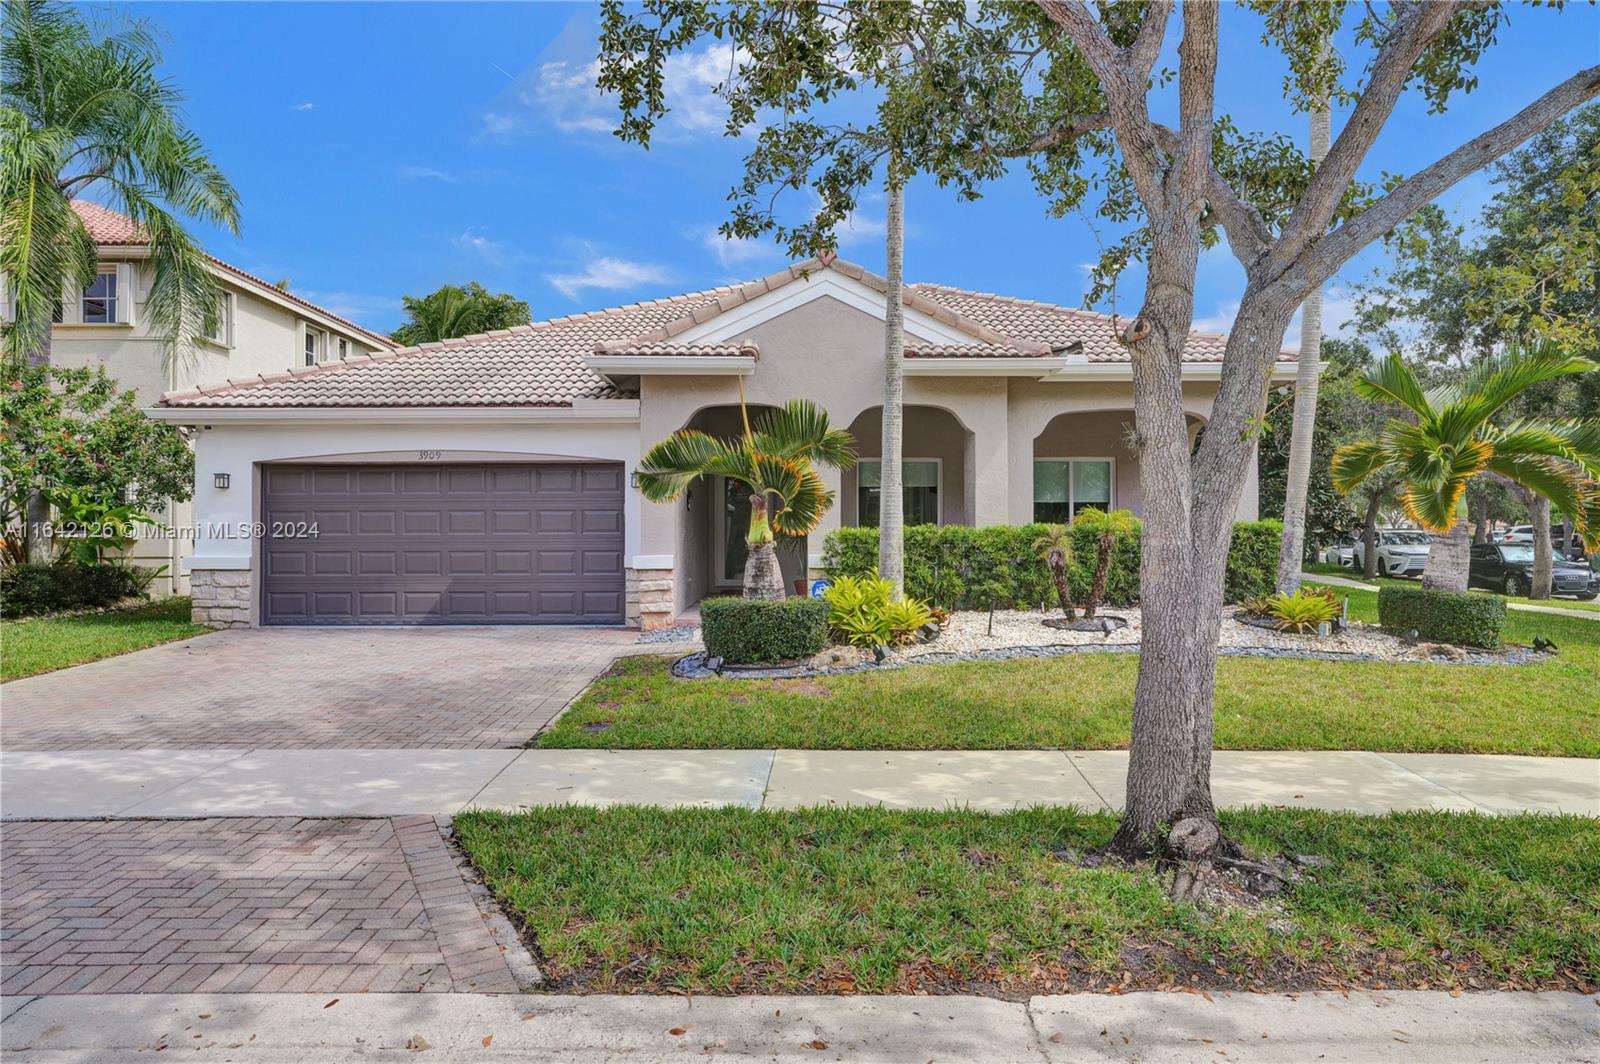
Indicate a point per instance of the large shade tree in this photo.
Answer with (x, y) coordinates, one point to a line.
(1456, 432)
(85, 113)
(1073, 89)
(775, 459)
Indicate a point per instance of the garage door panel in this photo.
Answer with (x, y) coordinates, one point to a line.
(445, 544)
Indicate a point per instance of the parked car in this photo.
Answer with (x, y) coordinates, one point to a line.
(1401, 552)
(1508, 568)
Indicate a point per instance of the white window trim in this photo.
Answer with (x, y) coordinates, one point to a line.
(225, 341)
(320, 355)
(1111, 504)
(120, 318)
(938, 484)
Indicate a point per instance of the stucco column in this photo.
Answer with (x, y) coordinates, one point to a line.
(1250, 497)
(989, 472)
(1019, 481)
(831, 520)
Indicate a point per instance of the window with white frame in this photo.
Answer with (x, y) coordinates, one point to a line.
(222, 325)
(99, 304)
(313, 346)
(919, 491)
(1064, 486)
(344, 349)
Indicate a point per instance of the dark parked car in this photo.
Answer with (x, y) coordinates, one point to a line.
(1508, 567)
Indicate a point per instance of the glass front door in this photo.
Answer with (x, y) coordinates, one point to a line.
(732, 500)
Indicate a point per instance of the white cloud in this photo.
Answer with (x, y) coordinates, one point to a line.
(559, 90)
(1338, 310)
(735, 251)
(607, 274)
(302, 106)
(858, 228)
(357, 306)
(493, 252)
(1219, 320)
(426, 173)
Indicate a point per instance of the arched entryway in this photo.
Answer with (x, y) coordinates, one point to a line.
(937, 455)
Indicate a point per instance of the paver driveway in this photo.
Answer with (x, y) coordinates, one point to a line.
(259, 904)
(305, 687)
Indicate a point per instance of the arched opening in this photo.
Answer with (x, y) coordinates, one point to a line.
(937, 454)
(1084, 459)
(714, 518)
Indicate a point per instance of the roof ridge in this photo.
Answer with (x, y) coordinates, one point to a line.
(999, 297)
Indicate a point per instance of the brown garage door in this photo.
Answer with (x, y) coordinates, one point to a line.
(442, 544)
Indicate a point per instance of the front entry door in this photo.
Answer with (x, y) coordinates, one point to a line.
(731, 501)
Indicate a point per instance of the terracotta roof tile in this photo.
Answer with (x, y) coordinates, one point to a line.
(737, 349)
(111, 228)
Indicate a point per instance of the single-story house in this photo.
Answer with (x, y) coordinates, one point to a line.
(489, 480)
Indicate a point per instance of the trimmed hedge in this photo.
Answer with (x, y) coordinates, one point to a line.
(30, 590)
(1443, 616)
(955, 567)
(746, 631)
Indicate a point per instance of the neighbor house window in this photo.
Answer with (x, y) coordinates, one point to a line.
(344, 349)
(222, 326)
(1064, 486)
(919, 490)
(100, 301)
(313, 346)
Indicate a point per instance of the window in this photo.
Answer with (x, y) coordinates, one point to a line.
(222, 326)
(344, 349)
(919, 491)
(313, 346)
(100, 301)
(1064, 486)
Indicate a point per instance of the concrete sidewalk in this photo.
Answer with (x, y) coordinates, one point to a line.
(1525, 607)
(1146, 1027)
(332, 783)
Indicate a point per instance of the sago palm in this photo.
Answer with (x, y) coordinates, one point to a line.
(1456, 435)
(775, 460)
(87, 114)
(1055, 548)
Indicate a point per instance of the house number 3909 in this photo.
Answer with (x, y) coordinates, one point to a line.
(429, 456)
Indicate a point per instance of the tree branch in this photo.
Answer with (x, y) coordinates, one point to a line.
(1065, 131)
(1427, 184)
(1248, 233)
(1416, 26)
(1197, 83)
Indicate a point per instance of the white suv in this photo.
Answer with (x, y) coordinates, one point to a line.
(1401, 552)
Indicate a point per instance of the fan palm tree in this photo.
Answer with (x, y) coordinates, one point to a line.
(81, 114)
(1455, 437)
(1055, 547)
(776, 460)
(1107, 526)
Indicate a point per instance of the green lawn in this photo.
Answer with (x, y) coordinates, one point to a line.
(1323, 569)
(734, 901)
(44, 644)
(1084, 701)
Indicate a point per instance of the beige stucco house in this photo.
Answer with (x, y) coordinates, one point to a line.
(489, 479)
(261, 329)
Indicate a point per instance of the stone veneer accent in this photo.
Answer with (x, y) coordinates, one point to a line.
(649, 598)
(220, 597)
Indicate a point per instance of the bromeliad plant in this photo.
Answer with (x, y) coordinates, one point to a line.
(1304, 611)
(776, 460)
(864, 612)
(1455, 436)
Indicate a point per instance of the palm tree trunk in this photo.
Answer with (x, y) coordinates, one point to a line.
(1480, 519)
(1056, 559)
(891, 502)
(763, 577)
(37, 511)
(1543, 563)
(1448, 559)
(1308, 378)
(1369, 537)
(1102, 567)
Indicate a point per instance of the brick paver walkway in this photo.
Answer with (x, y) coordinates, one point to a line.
(334, 687)
(277, 904)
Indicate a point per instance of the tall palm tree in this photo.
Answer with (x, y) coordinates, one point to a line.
(891, 496)
(81, 114)
(1455, 436)
(775, 460)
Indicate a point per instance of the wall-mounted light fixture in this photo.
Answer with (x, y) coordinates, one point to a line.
(219, 480)
(634, 479)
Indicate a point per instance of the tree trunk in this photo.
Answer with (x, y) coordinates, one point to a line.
(763, 577)
(891, 500)
(1308, 379)
(1102, 566)
(1448, 559)
(1480, 519)
(36, 516)
(1543, 567)
(1369, 536)
(1056, 560)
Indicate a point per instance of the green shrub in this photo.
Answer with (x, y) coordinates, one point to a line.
(747, 631)
(1252, 560)
(1443, 616)
(953, 566)
(864, 612)
(31, 590)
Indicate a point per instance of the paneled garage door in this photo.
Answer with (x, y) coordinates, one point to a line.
(442, 544)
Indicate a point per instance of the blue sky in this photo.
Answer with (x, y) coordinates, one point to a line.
(385, 149)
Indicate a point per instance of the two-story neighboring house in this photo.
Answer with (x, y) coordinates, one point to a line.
(262, 329)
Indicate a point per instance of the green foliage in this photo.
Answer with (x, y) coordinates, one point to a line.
(83, 107)
(70, 432)
(453, 312)
(31, 590)
(954, 566)
(864, 612)
(1302, 611)
(88, 527)
(1443, 616)
(747, 631)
